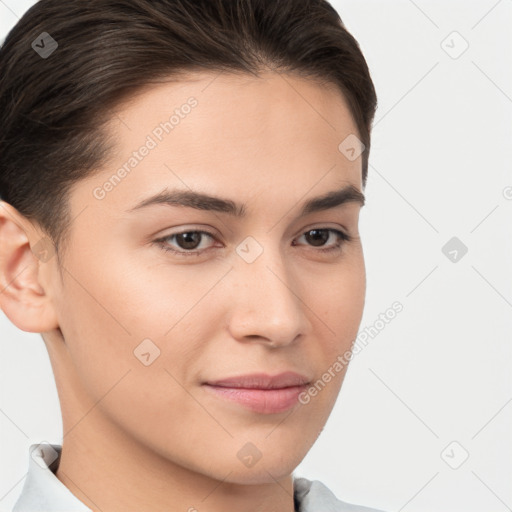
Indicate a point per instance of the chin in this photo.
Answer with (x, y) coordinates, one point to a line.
(265, 467)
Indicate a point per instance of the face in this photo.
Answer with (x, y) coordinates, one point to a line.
(158, 303)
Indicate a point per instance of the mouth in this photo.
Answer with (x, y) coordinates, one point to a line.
(260, 392)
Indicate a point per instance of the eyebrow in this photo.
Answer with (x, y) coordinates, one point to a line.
(200, 201)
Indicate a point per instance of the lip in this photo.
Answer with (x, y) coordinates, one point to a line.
(260, 392)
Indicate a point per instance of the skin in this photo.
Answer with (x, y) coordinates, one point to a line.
(142, 437)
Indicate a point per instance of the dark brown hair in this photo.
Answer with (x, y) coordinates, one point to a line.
(54, 109)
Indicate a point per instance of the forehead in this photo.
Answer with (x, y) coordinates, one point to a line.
(229, 134)
(238, 108)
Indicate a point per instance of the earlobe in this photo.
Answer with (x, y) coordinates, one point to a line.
(23, 298)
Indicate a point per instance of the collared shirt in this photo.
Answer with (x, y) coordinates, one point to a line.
(44, 492)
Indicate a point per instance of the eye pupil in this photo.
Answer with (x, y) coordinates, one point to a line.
(324, 236)
(193, 237)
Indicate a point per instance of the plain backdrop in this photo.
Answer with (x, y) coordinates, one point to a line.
(424, 419)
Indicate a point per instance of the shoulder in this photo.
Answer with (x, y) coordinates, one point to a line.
(312, 495)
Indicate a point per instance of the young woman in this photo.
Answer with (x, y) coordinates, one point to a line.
(181, 185)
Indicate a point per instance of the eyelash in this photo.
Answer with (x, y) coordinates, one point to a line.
(161, 242)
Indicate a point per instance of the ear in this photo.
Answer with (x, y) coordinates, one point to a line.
(26, 256)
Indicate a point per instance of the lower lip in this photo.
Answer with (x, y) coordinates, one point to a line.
(263, 401)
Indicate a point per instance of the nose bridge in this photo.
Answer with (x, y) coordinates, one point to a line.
(267, 303)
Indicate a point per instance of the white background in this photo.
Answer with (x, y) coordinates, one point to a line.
(441, 163)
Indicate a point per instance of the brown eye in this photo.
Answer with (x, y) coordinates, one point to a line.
(187, 242)
(317, 237)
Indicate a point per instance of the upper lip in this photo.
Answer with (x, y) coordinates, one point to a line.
(262, 381)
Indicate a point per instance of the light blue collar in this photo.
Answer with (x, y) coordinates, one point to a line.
(42, 490)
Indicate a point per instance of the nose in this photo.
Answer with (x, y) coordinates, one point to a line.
(266, 304)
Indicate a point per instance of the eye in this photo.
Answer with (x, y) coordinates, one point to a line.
(188, 242)
(318, 237)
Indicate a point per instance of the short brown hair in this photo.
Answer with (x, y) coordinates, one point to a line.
(54, 109)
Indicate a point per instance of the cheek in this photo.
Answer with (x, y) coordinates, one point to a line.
(113, 315)
(347, 307)
(338, 298)
(339, 308)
